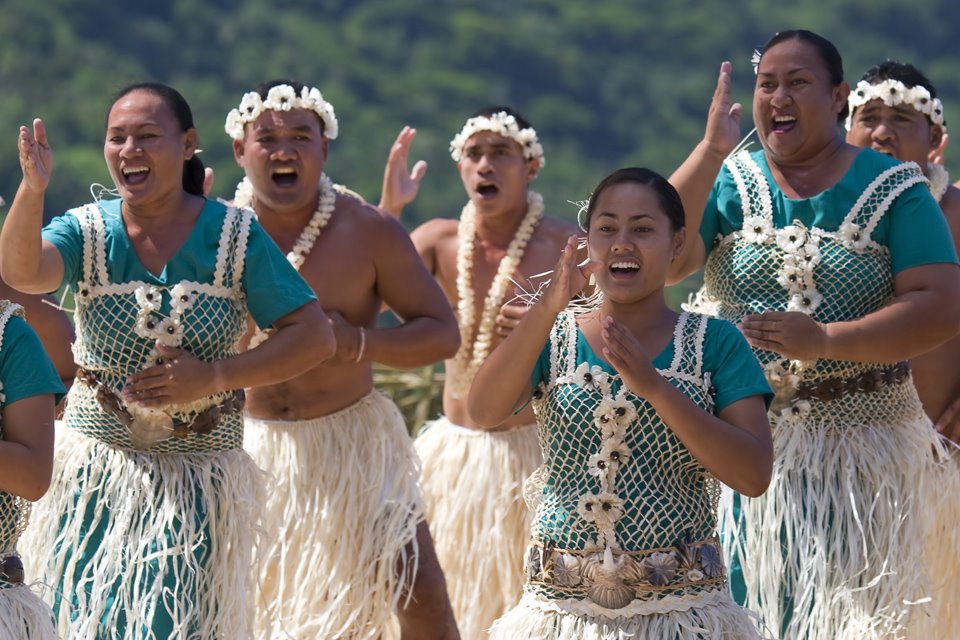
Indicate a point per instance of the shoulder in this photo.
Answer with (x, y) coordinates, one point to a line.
(556, 231)
(950, 204)
(437, 230)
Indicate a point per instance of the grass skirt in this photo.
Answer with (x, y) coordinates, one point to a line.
(147, 546)
(711, 615)
(837, 547)
(340, 549)
(944, 559)
(24, 616)
(473, 489)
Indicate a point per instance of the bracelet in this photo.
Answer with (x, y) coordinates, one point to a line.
(363, 344)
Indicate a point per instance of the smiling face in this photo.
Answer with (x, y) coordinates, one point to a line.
(495, 172)
(283, 154)
(899, 131)
(145, 149)
(795, 103)
(632, 237)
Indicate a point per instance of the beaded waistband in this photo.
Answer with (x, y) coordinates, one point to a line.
(613, 578)
(833, 388)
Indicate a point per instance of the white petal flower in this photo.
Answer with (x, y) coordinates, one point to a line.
(791, 278)
(852, 235)
(149, 298)
(602, 509)
(756, 229)
(613, 415)
(588, 377)
(250, 104)
(805, 301)
(791, 238)
(181, 298)
(795, 413)
(169, 332)
(146, 326)
(809, 256)
(280, 98)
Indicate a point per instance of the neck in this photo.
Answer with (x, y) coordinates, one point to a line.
(834, 147)
(294, 217)
(641, 316)
(160, 214)
(498, 227)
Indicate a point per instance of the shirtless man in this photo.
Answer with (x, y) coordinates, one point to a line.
(345, 523)
(473, 479)
(895, 110)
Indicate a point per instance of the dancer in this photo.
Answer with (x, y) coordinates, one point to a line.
(642, 413)
(29, 385)
(149, 525)
(479, 520)
(334, 446)
(838, 265)
(894, 109)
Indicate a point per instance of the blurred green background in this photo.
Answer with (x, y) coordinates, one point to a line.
(606, 83)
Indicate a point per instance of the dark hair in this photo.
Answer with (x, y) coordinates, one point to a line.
(488, 111)
(828, 55)
(264, 88)
(193, 173)
(906, 73)
(667, 196)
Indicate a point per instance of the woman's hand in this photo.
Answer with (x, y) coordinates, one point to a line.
(622, 350)
(723, 119)
(792, 334)
(568, 279)
(36, 158)
(182, 378)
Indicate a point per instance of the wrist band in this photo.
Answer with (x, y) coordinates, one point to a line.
(363, 344)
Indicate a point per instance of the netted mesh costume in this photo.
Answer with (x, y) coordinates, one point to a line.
(23, 615)
(624, 537)
(834, 548)
(149, 527)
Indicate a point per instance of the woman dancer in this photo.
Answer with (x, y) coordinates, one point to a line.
(642, 413)
(838, 265)
(148, 528)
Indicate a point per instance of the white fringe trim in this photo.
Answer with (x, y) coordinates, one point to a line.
(845, 521)
(944, 556)
(149, 506)
(711, 616)
(24, 616)
(342, 515)
(473, 490)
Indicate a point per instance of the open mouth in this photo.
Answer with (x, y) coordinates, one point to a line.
(624, 268)
(783, 124)
(488, 190)
(284, 177)
(134, 175)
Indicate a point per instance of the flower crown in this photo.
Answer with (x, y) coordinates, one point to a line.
(893, 92)
(502, 124)
(282, 97)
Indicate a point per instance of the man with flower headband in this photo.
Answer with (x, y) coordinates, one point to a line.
(895, 110)
(473, 479)
(336, 447)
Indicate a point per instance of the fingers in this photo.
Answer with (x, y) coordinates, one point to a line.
(40, 132)
(949, 423)
(419, 170)
(722, 94)
(208, 178)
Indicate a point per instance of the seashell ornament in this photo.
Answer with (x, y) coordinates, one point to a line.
(566, 570)
(660, 568)
(148, 427)
(607, 588)
(710, 561)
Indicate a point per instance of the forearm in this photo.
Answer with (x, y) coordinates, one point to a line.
(694, 180)
(25, 472)
(291, 350)
(504, 376)
(733, 455)
(416, 343)
(20, 242)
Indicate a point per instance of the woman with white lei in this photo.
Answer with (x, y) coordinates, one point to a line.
(149, 525)
(838, 266)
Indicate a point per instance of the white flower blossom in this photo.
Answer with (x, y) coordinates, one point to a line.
(756, 229)
(181, 298)
(791, 238)
(169, 332)
(588, 377)
(852, 236)
(791, 278)
(602, 509)
(805, 301)
(149, 298)
(146, 325)
(795, 413)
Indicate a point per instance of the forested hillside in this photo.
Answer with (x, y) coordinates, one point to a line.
(605, 82)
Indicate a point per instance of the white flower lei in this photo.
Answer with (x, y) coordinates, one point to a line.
(282, 97)
(894, 92)
(471, 355)
(502, 124)
(243, 197)
(939, 180)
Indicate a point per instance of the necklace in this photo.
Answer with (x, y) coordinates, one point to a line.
(308, 237)
(939, 180)
(472, 354)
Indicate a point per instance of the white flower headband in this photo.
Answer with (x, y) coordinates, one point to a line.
(893, 92)
(282, 97)
(502, 124)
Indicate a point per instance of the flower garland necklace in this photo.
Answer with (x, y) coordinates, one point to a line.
(939, 180)
(308, 237)
(471, 355)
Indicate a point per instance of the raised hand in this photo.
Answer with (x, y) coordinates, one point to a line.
(400, 186)
(509, 317)
(180, 379)
(569, 278)
(792, 334)
(937, 155)
(625, 353)
(723, 119)
(36, 158)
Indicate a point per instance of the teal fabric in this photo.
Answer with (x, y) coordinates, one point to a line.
(273, 287)
(25, 368)
(914, 228)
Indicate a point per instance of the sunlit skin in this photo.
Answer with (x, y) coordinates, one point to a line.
(631, 244)
(496, 177)
(362, 259)
(908, 135)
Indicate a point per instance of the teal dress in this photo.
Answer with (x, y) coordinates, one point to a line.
(624, 534)
(151, 523)
(25, 372)
(834, 548)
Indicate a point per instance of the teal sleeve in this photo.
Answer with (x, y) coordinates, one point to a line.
(25, 369)
(710, 224)
(734, 371)
(541, 370)
(273, 287)
(918, 233)
(64, 233)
